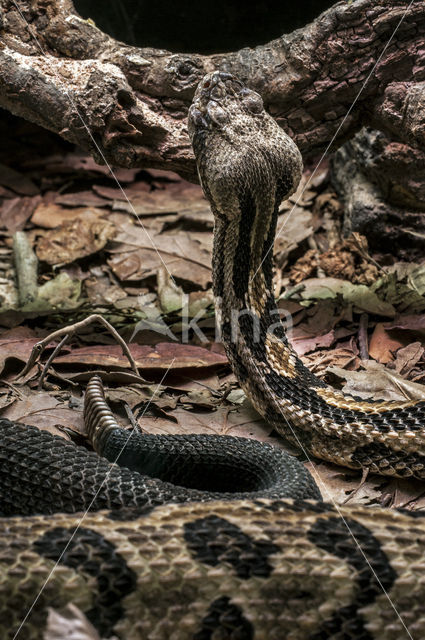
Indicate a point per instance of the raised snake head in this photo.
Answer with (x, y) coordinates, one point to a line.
(239, 147)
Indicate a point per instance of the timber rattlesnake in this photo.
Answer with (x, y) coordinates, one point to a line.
(221, 566)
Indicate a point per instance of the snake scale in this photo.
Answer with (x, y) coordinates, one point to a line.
(165, 550)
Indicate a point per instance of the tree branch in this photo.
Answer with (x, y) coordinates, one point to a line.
(134, 101)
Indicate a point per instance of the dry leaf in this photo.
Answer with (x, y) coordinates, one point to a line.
(82, 199)
(181, 197)
(14, 212)
(407, 358)
(16, 343)
(414, 323)
(137, 253)
(357, 294)
(162, 356)
(383, 344)
(379, 383)
(43, 410)
(51, 215)
(18, 182)
(337, 484)
(74, 239)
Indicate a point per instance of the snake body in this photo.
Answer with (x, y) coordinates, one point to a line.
(166, 550)
(247, 164)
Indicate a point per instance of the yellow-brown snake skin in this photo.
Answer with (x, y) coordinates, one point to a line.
(165, 550)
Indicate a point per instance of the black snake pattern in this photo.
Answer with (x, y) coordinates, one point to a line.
(164, 550)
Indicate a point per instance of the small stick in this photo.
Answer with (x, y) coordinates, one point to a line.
(26, 264)
(365, 473)
(51, 358)
(39, 347)
(132, 417)
(363, 339)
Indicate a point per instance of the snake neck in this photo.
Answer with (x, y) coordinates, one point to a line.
(247, 315)
(242, 273)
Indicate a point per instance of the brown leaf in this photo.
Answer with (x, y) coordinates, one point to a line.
(115, 193)
(162, 356)
(337, 484)
(43, 410)
(408, 357)
(181, 197)
(400, 493)
(379, 383)
(78, 162)
(293, 227)
(16, 343)
(81, 199)
(16, 211)
(414, 323)
(383, 344)
(137, 253)
(343, 357)
(303, 344)
(18, 182)
(75, 239)
(51, 215)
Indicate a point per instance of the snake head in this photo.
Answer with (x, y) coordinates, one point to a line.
(238, 146)
(223, 106)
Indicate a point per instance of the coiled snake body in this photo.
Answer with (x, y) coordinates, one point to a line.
(167, 552)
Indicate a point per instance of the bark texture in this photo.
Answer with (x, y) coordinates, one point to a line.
(76, 80)
(382, 184)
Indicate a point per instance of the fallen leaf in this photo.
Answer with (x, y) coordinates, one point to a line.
(414, 323)
(303, 344)
(379, 383)
(137, 188)
(399, 492)
(357, 294)
(293, 227)
(82, 199)
(319, 361)
(61, 292)
(17, 344)
(15, 212)
(337, 484)
(40, 409)
(18, 182)
(52, 215)
(408, 357)
(163, 356)
(74, 239)
(400, 295)
(181, 197)
(170, 296)
(383, 344)
(137, 253)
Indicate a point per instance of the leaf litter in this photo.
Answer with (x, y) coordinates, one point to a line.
(355, 318)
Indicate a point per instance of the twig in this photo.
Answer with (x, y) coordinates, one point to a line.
(26, 265)
(70, 330)
(362, 335)
(51, 358)
(131, 417)
(365, 473)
